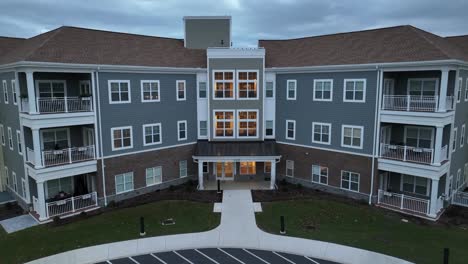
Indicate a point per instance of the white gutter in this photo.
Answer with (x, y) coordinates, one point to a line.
(376, 129)
(98, 109)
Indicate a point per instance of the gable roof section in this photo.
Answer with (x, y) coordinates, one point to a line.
(88, 46)
(8, 44)
(461, 42)
(393, 44)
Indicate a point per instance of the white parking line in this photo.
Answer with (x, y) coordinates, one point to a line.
(311, 260)
(134, 260)
(231, 256)
(264, 261)
(108, 261)
(203, 254)
(288, 260)
(184, 258)
(158, 258)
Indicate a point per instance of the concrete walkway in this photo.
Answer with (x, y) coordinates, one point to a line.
(18, 223)
(237, 229)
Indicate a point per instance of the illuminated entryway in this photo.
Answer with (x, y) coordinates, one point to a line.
(224, 170)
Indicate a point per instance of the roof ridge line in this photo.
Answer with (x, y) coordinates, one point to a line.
(431, 42)
(120, 33)
(57, 30)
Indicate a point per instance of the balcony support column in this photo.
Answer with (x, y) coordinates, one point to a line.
(39, 163)
(443, 90)
(433, 210)
(41, 201)
(438, 155)
(200, 175)
(31, 92)
(273, 175)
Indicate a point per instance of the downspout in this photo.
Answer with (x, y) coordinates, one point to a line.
(98, 109)
(376, 129)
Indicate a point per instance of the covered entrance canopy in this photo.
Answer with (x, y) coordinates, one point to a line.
(236, 161)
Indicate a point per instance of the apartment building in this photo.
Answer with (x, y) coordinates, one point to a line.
(90, 116)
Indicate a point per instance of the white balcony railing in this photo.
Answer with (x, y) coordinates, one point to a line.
(414, 103)
(71, 204)
(51, 158)
(460, 198)
(403, 202)
(59, 105)
(411, 154)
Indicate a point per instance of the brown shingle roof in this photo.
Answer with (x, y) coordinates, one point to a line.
(88, 46)
(7, 44)
(461, 42)
(394, 44)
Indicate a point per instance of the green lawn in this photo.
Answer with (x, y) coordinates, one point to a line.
(122, 224)
(365, 227)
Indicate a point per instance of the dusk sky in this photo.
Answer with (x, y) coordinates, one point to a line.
(252, 19)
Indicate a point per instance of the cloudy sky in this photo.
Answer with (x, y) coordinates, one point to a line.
(252, 19)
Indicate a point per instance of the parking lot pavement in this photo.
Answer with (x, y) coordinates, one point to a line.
(218, 256)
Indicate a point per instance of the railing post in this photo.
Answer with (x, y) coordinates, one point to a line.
(378, 196)
(70, 155)
(73, 204)
(405, 148)
(408, 100)
(402, 199)
(436, 103)
(65, 100)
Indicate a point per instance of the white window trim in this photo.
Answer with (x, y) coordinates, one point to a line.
(88, 82)
(7, 176)
(15, 181)
(342, 136)
(239, 120)
(121, 128)
(247, 81)
(428, 185)
(286, 172)
(294, 134)
(10, 139)
(265, 166)
(248, 167)
(155, 183)
(14, 92)
(144, 135)
(349, 189)
(125, 191)
(23, 187)
(320, 175)
(142, 94)
(363, 93)
(18, 141)
(234, 90)
(233, 121)
(199, 129)
(64, 82)
(329, 133)
(180, 169)
(331, 90)
(178, 130)
(273, 128)
(206, 90)
(466, 90)
(274, 90)
(2, 136)
(422, 80)
(177, 90)
(405, 134)
(110, 93)
(287, 89)
(454, 139)
(462, 136)
(5, 92)
(460, 89)
(67, 130)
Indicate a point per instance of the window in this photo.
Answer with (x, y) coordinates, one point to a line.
(319, 174)
(454, 140)
(247, 84)
(416, 185)
(290, 129)
(13, 92)
(466, 90)
(290, 168)
(267, 167)
(460, 88)
(183, 168)
(54, 187)
(422, 87)
(5, 92)
(2, 135)
(150, 91)
(248, 168)
(270, 90)
(85, 88)
(181, 130)
(180, 90)
(291, 89)
(23, 187)
(459, 179)
(124, 182)
(119, 92)
(51, 88)
(247, 123)
(7, 176)
(201, 90)
(223, 124)
(352, 136)
(466, 173)
(205, 167)
(15, 181)
(152, 134)
(321, 133)
(350, 181)
(462, 136)
(18, 140)
(122, 138)
(57, 138)
(223, 85)
(323, 90)
(203, 128)
(354, 90)
(269, 130)
(419, 137)
(153, 176)
(10, 138)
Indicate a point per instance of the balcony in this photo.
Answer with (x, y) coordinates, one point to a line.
(66, 206)
(412, 154)
(410, 103)
(50, 158)
(57, 105)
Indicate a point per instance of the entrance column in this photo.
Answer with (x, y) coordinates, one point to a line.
(273, 175)
(433, 208)
(200, 175)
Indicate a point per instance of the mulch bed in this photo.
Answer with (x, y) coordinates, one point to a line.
(10, 210)
(456, 216)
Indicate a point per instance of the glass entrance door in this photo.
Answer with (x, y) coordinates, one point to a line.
(225, 170)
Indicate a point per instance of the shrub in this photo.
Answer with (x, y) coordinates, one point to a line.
(283, 182)
(83, 214)
(112, 204)
(57, 219)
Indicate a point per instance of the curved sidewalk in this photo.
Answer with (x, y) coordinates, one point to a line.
(237, 229)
